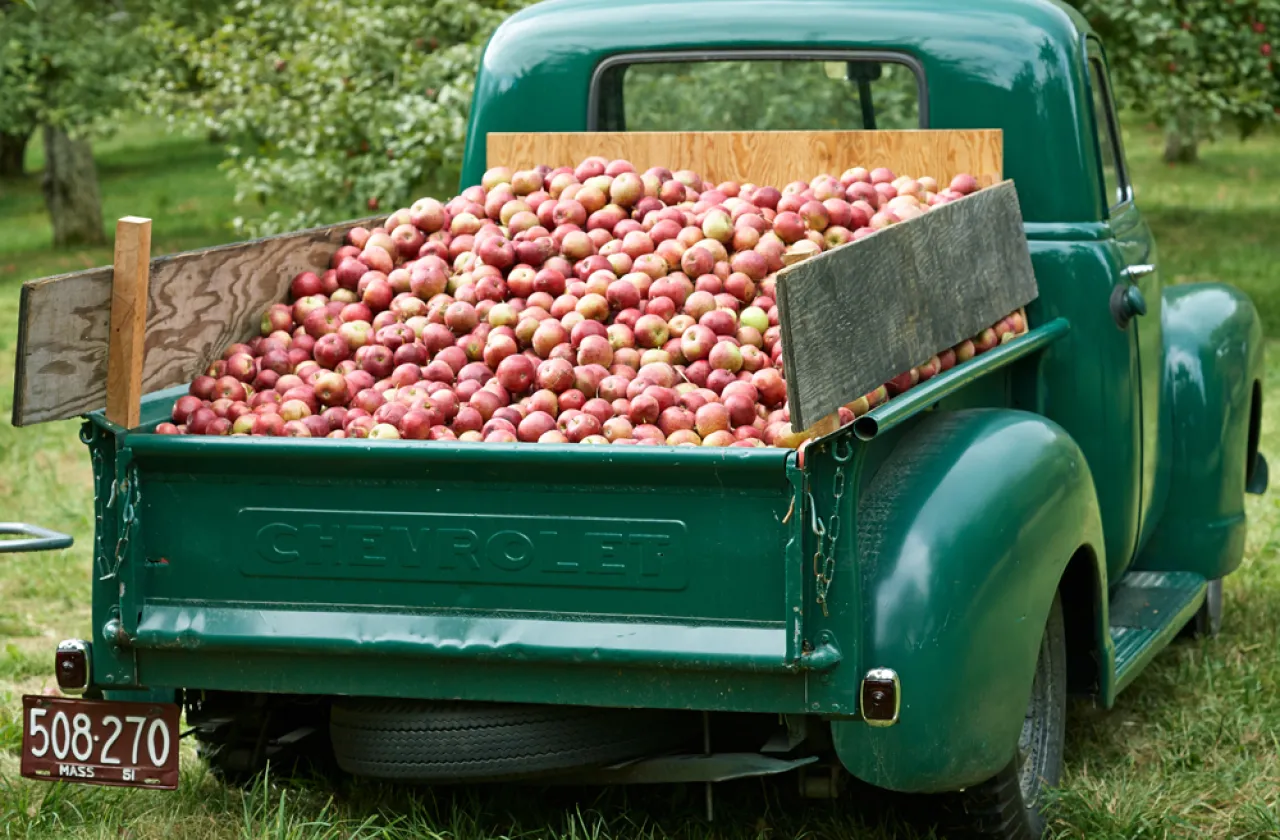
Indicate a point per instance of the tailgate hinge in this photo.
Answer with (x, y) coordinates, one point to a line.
(824, 657)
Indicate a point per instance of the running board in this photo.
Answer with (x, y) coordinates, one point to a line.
(1147, 611)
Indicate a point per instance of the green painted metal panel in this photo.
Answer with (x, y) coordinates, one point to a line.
(576, 640)
(516, 682)
(689, 533)
(111, 664)
(1088, 380)
(1138, 271)
(1213, 370)
(960, 557)
(922, 396)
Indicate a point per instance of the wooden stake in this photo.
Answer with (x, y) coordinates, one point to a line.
(126, 350)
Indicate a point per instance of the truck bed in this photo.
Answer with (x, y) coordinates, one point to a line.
(252, 558)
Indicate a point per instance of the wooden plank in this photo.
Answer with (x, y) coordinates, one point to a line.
(854, 317)
(125, 349)
(765, 157)
(199, 302)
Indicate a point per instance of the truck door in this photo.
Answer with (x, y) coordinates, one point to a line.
(1136, 297)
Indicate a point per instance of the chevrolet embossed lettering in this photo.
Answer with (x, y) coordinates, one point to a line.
(467, 548)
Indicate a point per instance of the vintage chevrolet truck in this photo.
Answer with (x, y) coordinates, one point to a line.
(1039, 522)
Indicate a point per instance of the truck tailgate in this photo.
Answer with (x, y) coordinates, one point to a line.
(679, 558)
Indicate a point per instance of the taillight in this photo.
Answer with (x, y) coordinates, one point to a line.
(71, 665)
(881, 697)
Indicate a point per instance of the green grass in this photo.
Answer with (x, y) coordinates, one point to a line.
(1215, 221)
(144, 171)
(1191, 750)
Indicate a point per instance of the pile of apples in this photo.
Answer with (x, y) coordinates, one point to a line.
(592, 304)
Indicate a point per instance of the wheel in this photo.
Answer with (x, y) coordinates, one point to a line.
(1007, 807)
(443, 742)
(1207, 622)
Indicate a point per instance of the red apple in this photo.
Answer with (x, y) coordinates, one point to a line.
(516, 374)
(305, 283)
(330, 350)
(771, 386)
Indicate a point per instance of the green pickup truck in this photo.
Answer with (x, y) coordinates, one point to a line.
(1036, 523)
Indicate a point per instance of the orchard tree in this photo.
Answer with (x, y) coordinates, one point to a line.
(1196, 67)
(64, 68)
(328, 109)
(18, 93)
(760, 95)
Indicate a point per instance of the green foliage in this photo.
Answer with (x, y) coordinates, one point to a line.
(762, 96)
(332, 109)
(1195, 66)
(49, 77)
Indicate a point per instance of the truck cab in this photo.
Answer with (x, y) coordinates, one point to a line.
(907, 601)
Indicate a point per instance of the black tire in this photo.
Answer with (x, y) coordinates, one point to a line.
(444, 742)
(1207, 622)
(1008, 806)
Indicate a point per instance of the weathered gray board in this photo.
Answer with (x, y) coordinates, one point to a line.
(855, 317)
(199, 302)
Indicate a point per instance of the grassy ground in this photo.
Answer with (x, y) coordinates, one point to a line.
(1191, 750)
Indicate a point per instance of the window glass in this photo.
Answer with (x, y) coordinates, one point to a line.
(1108, 136)
(764, 95)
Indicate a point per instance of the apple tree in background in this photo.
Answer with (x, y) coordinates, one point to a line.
(67, 87)
(331, 110)
(738, 95)
(1198, 68)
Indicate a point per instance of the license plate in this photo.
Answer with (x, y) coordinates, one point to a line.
(100, 742)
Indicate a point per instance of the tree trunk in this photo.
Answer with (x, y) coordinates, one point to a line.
(13, 148)
(1180, 142)
(71, 190)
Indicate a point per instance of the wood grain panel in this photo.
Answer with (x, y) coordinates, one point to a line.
(198, 303)
(765, 157)
(856, 316)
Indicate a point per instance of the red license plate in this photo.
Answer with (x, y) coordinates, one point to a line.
(100, 742)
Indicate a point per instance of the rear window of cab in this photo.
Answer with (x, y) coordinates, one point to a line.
(759, 92)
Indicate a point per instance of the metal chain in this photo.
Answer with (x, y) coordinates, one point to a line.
(824, 559)
(131, 498)
(95, 456)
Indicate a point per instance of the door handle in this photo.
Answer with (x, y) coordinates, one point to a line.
(1133, 272)
(1127, 303)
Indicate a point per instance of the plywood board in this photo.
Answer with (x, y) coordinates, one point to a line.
(765, 157)
(198, 303)
(856, 316)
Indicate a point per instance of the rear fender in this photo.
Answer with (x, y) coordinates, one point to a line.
(963, 536)
(1213, 403)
